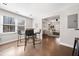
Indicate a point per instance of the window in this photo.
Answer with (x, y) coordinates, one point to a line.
(21, 25)
(21, 22)
(8, 24)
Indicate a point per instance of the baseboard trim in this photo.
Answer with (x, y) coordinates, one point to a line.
(2, 43)
(67, 45)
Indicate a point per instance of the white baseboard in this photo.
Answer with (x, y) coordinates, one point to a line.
(7, 41)
(66, 45)
(41, 39)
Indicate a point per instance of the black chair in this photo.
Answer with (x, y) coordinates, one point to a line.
(29, 33)
(76, 43)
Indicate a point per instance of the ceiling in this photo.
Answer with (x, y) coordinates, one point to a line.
(36, 9)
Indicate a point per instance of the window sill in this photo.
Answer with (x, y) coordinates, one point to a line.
(8, 33)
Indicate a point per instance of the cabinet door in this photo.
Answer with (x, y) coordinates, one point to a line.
(73, 21)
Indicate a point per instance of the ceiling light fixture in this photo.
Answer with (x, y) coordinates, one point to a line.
(4, 3)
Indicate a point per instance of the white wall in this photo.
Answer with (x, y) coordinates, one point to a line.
(1, 21)
(68, 35)
(12, 36)
(38, 12)
(44, 25)
(37, 24)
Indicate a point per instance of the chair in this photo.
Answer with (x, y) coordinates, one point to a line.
(19, 37)
(29, 33)
(36, 34)
(76, 43)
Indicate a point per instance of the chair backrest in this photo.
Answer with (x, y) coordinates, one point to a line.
(29, 32)
(19, 32)
(39, 31)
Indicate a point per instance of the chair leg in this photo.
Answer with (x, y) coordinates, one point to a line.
(74, 48)
(39, 38)
(25, 43)
(17, 43)
(18, 40)
(33, 41)
(77, 48)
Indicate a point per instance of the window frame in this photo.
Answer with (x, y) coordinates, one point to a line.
(9, 24)
(20, 25)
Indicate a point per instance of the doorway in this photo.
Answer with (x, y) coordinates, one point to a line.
(51, 26)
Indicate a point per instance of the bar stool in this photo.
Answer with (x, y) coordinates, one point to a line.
(38, 34)
(29, 33)
(76, 43)
(19, 37)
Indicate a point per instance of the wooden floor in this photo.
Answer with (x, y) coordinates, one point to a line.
(48, 47)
